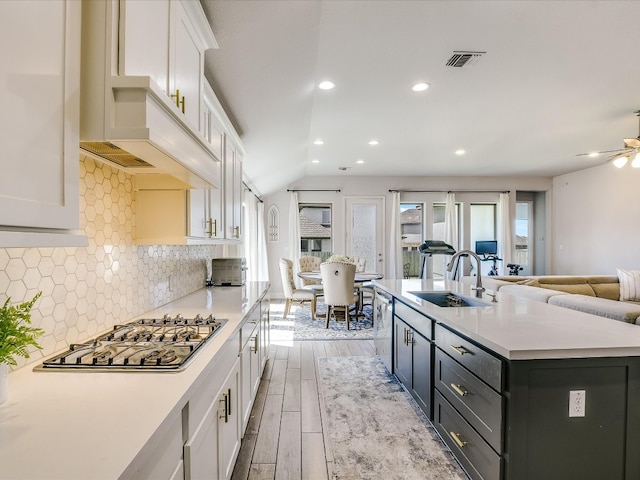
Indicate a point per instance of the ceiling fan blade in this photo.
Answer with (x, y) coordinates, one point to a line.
(602, 151)
(632, 142)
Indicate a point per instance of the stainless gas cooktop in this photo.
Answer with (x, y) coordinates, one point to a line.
(164, 344)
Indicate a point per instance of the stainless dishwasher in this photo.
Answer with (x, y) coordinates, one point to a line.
(382, 328)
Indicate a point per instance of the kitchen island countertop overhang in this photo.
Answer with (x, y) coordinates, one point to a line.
(518, 329)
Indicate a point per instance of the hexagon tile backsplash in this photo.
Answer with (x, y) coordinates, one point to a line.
(87, 290)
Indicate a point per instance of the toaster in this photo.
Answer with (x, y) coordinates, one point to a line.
(228, 272)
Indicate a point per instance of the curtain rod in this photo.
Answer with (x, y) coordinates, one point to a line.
(311, 190)
(450, 191)
(252, 192)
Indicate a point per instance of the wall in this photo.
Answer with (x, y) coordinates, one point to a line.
(352, 185)
(85, 291)
(596, 220)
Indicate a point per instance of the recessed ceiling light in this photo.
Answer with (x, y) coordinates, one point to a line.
(315, 160)
(326, 85)
(594, 154)
(318, 141)
(374, 142)
(420, 87)
(360, 162)
(460, 151)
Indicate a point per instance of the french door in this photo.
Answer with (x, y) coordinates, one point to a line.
(364, 229)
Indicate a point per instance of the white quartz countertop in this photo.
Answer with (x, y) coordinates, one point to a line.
(92, 425)
(521, 329)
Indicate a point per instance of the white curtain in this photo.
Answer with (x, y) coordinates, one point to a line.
(504, 230)
(250, 236)
(263, 260)
(395, 242)
(294, 232)
(450, 226)
(254, 245)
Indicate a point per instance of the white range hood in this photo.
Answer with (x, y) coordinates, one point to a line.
(129, 120)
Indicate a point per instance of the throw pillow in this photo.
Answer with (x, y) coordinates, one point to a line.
(629, 285)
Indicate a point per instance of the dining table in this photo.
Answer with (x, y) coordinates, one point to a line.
(359, 279)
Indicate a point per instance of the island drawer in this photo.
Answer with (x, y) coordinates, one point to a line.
(474, 454)
(415, 319)
(482, 363)
(478, 403)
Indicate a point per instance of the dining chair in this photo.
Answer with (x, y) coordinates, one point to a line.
(338, 282)
(365, 290)
(310, 263)
(292, 294)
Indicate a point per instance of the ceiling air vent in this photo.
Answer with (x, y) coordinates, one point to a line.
(461, 59)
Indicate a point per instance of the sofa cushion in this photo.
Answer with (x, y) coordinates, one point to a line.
(629, 284)
(578, 286)
(530, 292)
(603, 307)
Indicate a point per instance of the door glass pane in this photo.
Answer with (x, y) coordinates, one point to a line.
(522, 233)
(363, 238)
(411, 228)
(482, 226)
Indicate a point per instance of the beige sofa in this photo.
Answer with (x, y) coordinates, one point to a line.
(596, 294)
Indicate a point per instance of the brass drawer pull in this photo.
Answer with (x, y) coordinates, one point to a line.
(459, 390)
(225, 415)
(180, 101)
(461, 350)
(456, 438)
(254, 349)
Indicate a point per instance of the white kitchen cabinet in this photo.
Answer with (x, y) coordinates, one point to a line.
(234, 190)
(40, 76)
(166, 459)
(211, 452)
(171, 52)
(250, 354)
(205, 214)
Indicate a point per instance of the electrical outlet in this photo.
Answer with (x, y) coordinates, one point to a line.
(577, 403)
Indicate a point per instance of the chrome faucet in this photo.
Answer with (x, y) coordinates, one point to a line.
(478, 288)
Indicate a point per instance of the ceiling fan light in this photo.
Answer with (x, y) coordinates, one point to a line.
(635, 163)
(621, 161)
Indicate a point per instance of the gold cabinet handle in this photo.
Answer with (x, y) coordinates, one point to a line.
(459, 390)
(461, 350)
(236, 232)
(210, 228)
(224, 415)
(410, 340)
(180, 101)
(456, 438)
(254, 349)
(214, 227)
(405, 341)
(228, 402)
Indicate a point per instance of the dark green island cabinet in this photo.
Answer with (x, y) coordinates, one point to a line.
(509, 419)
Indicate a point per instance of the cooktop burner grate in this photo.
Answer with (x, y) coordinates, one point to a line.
(164, 344)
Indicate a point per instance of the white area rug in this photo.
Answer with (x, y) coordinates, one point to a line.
(375, 431)
(299, 325)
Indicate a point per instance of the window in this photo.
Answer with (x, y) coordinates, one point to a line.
(523, 226)
(412, 233)
(315, 229)
(482, 226)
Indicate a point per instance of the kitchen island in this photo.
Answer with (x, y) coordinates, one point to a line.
(118, 425)
(519, 389)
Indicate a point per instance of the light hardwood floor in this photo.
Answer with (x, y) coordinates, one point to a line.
(285, 438)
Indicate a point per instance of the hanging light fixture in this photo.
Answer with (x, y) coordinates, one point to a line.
(620, 160)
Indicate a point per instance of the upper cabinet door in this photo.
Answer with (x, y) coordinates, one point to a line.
(186, 66)
(40, 76)
(144, 50)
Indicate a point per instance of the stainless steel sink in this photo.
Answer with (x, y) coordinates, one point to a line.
(449, 299)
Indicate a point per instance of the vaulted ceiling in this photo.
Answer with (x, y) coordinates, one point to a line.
(557, 78)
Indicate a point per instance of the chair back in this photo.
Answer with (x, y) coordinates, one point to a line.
(337, 281)
(286, 274)
(309, 263)
(361, 263)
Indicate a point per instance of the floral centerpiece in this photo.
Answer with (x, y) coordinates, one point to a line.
(340, 258)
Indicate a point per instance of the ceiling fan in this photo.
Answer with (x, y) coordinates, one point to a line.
(621, 156)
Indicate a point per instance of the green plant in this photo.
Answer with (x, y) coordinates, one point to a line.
(15, 333)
